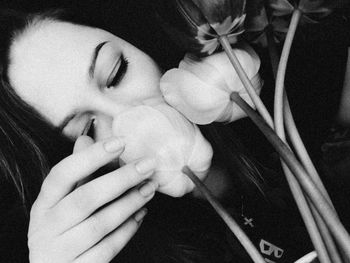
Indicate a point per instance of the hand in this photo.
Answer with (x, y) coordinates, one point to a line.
(92, 222)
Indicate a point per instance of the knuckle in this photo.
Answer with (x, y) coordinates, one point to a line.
(82, 200)
(126, 177)
(137, 200)
(97, 227)
(131, 174)
(111, 249)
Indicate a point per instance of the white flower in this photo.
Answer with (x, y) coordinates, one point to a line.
(200, 89)
(160, 132)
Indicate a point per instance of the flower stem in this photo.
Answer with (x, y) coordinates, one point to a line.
(301, 150)
(311, 170)
(306, 213)
(315, 225)
(308, 258)
(245, 80)
(281, 111)
(290, 123)
(230, 222)
(281, 72)
(321, 204)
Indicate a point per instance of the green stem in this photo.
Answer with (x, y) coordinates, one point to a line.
(230, 222)
(245, 80)
(309, 187)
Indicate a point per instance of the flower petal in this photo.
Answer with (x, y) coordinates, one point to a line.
(234, 112)
(257, 23)
(223, 69)
(160, 132)
(199, 101)
(281, 7)
(200, 158)
(217, 11)
(280, 25)
(191, 12)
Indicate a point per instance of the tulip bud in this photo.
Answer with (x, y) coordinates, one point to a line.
(257, 24)
(201, 90)
(162, 133)
(197, 24)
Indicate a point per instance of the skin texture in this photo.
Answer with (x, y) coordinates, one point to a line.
(74, 218)
(50, 70)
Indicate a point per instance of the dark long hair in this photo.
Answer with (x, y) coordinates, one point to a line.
(29, 146)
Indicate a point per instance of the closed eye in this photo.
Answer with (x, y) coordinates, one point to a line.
(121, 70)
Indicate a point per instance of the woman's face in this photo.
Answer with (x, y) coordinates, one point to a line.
(79, 78)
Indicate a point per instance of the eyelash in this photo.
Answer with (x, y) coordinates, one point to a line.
(89, 130)
(120, 73)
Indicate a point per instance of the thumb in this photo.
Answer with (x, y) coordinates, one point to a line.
(82, 143)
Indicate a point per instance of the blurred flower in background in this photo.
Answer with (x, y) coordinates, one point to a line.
(196, 24)
(275, 15)
(200, 89)
(258, 22)
(313, 10)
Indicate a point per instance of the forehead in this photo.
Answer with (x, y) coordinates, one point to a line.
(49, 58)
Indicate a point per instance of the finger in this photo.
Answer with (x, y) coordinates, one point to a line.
(112, 244)
(82, 143)
(96, 227)
(86, 199)
(64, 176)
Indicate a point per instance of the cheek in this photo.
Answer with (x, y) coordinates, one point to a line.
(147, 74)
(141, 83)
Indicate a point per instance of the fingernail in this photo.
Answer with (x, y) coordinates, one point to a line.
(140, 215)
(145, 166)
(113, 145)
(148, 189)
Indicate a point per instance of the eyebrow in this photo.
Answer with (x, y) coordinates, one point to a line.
(94, 58)
(91, 74)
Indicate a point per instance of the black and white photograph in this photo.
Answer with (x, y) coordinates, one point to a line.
(175, 131)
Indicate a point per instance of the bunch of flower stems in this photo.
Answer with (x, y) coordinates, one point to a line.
(328, 235)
